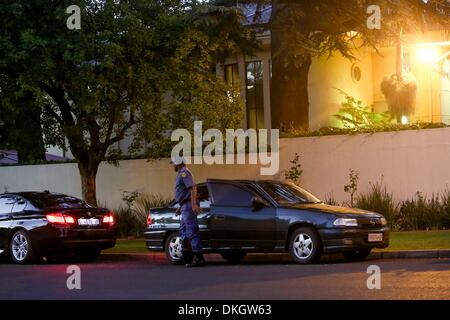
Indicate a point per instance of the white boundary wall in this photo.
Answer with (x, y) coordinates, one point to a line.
(409, 161)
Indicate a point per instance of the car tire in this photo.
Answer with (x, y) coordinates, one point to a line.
(21, 248)
(357, 255)
(174, 249)
(305, 245)
(89, 255)
(233, 256)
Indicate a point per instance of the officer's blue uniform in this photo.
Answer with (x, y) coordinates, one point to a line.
(189, 224)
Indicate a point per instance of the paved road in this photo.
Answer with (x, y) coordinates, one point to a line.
(151, 277)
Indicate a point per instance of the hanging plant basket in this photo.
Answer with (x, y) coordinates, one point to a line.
(400, 94)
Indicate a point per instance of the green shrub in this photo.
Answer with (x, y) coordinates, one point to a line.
(131, 219)
(126, 223)
(420, 213)
(330, 199)
(445, 209)
(388, 127)
(143, 203)
(295, 172)
(353, 114)
(352, 186)
(379, 200)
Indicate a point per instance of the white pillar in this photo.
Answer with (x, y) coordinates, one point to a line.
(266, 90)
(243, 80)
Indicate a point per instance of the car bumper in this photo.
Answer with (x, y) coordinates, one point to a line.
(348, 239)
(154, 239)
(57, 239)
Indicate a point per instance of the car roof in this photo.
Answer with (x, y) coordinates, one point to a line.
(34, 194)
(243, 180)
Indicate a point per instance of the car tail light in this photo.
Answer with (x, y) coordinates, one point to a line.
(109, 219)
(59, 218)
(149, 218)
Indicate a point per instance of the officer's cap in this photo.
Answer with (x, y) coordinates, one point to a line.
(177, 160)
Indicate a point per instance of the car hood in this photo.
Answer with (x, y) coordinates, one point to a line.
(321, 207)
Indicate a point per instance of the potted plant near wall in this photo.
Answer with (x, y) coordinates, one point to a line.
(400, 88)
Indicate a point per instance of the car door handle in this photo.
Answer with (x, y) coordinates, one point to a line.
(219, 217)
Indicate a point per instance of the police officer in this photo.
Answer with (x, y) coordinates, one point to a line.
(186, 196)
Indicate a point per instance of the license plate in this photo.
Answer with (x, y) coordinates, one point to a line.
(375, 237)
(88, 222)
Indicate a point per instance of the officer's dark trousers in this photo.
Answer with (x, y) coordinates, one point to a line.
(189, 227)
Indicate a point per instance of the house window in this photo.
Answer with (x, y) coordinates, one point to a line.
(231, 74)
(255, 95)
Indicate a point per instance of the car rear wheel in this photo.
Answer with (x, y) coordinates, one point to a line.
(21, 248)
(174, 249)
(233, 256)
(357, 255)
(305, 245)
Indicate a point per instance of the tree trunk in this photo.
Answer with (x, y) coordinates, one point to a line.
(289, 87)
(289, 95)
(88, 175)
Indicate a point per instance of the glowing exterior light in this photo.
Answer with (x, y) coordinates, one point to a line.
(404, 120)
(427, 55)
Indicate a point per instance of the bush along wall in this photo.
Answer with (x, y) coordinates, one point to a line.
(420, 212)
(131, 219)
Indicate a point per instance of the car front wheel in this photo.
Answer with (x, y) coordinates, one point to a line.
(305, 246)
(21, 248)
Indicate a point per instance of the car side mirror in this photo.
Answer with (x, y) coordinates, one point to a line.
(258, 203)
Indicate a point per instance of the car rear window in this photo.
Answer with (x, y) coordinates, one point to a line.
(57, 201)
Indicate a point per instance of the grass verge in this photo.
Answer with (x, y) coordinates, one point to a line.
(409, 240)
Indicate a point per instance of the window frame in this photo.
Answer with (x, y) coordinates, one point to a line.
(7, 214)
(174, 205)
(254, 97)
(26, 205)
(237, 185)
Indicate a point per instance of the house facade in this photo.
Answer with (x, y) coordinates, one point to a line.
(426, 56)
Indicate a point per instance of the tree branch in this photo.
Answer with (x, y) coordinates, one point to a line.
(63, 105)
(121, 134)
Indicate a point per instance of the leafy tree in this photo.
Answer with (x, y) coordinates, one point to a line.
(304, 29)
(131, 62)
(20, 129)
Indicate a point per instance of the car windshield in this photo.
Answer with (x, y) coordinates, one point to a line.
(288, 193)
(57, 201)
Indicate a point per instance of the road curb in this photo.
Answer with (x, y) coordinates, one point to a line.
(411, 254)
(403, 254)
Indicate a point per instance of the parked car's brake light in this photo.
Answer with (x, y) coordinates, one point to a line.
(59, 218)
(149, 218)
(109, 218)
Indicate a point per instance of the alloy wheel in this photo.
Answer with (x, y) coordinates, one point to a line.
(303, 246)
(175, 248)
(19, 247)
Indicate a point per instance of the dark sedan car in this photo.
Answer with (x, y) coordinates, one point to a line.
(243, 216)
(36, 224)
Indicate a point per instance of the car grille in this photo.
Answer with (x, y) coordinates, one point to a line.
(373, 222)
